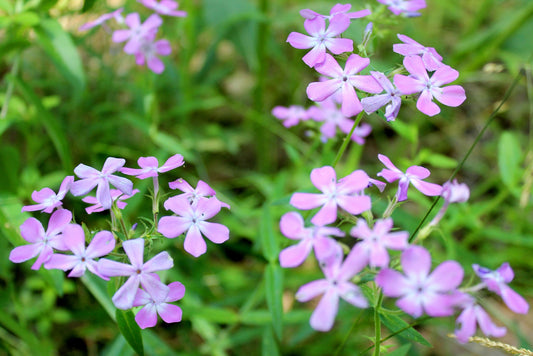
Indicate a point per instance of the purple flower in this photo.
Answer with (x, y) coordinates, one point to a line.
(377, 240)
(152, 306)
(83, 258)
(149, 51)
(202, 190)
(414, 175)
(391, 98)
(192, 218)
(336, 285)
(138, 272)
(418, 290)
(164, 7)
(454, 192)
(429, 88)
(337, 9)
(137, 33)
(432, 60)
(48, 200)
(343, 81)
(471, 315)
(322, 38)
(292, 115)
(102, 19)
(116, 195)
(329, 113)
(407, 7)
(315, 237)
(496, 281)
(91, 178)
(345, 193)
(150, 166)
(41, 243)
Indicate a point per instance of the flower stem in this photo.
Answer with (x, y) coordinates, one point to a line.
(377, 324)
(347, 139)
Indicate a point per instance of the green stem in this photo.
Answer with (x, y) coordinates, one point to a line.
(347, 139)
(377, 324)
(491, 118)
(10, 87)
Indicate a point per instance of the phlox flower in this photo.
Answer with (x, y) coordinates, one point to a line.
(164, 7)
(42, 243)
(149, 51)
(413, 175)
(47, 200)
(315, 237)
(116, 195)
(91, 178)
(337, 9)
(154, 305)
(150, 166)
(330, 114)
(419, 82)
(202, 190)
(138, 272)
(408, 8)
(471, 315)
(420, 291)
(138, 32)
(496, 281)
(391, 98)
(343, 81)
(291, 115)
(452, 192)
(336, 285)
(83, 258)
(346, 193)
(375, 242)
(192, 218)
(322, 38)
(431, 59)
(117, 15)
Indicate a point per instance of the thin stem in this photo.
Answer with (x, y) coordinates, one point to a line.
(347, 139)
(491, 118)
(377, 324)
(10, 87)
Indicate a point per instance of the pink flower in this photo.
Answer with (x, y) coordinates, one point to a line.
(346, 193)
(42, 243)
(418, 290)
(48, 200)
(164, 7)
(192, 218)
(149, 51)
(376, 241)
(152, 306)
(408, 8)
(337, 9)
(202, 190)
(290, 116)
(116, 195)
(429, 88)
(454, 192)
(343, 81)
(432, 60)
(471, 315)
(413, 175)
(150, 166)
(314, 237)
(322, 38)
(496, 281)
(92, 178)
(137, 33)
(138, 273)
(83, 258)
(336, 285)
(102, 19)
(391, 98)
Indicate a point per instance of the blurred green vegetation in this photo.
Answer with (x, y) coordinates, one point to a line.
(69, 97)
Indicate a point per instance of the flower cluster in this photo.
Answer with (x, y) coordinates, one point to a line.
(140, 37)
(62, 244)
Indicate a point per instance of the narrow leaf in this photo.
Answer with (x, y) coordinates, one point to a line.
(268, 238)
(269, 345)
(509, 159)
(396, 325)
(130, 330)
(274, 293)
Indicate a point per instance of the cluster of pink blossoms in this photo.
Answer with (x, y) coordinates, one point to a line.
(418, 290)
(62, 244)
(140, 37)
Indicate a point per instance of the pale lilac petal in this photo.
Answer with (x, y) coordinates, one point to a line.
(173, 226)
(315, 26)
(351, 105)
(438, 305)
(74, 238)
(121, 35)
(291, 225)
(152, 285)
(156, 65)
(392, 282)
(514, 301)
(182, 185)
(353, 264)
(320, 91)
(32, 230)
(312, 289)
(215, 232)
(84, 171)
(415, 66)
(325, 312)
(353, 182)
(378, 257)
(429, 189)
(452, 95)
(324, 178)
(112, 165)
(176, 291)
(315, 56)
(103, 195)
(416, 262)
(141, 298)
(373, 103)
(171, 163)
(45, 254)
(339, 45)
(110, 268)
(355, 204)
(146, 317)
(208, 207)
(366, 83)
(169, 313)
(330, 67)
(147, 162)
(353, 295)
(101, 244)
(194, 242)
(486, 324)
(467, 325)
(300, 41)
(337, 25)
(65, 186)
(418, 171)
(122, 184)
(410, 305)
(306, 201)
(159, 262)
(63, 262)
(426, 105)
(163, 48)
(326, 215)
(25, 252)
(58, 221)
(295, 255)
(444, 75)
(403, 186)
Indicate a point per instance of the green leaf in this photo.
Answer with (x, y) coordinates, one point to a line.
(130, 330)
(6, 5)
(397, 325)
(59, 46)
(98, 288)
(269, 345)
(87, 5)
(274, 293)
(400, 351)
(27, 19)
(407, 131)
(212, 314)
(436, 159)
(509, 159)
(268, 238)
(11, 218)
